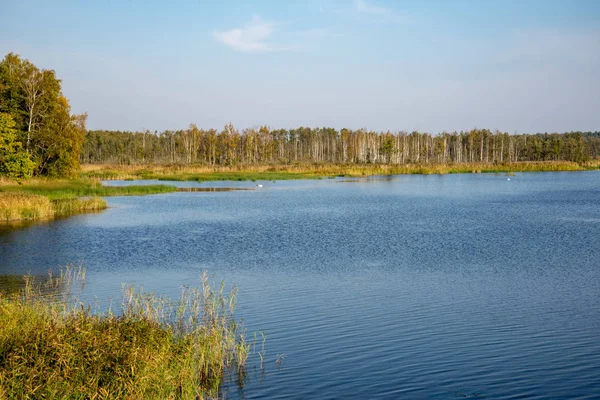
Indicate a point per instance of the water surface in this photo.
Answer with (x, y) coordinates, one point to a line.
(447, 286)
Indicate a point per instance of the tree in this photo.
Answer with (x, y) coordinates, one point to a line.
(388, 148)
(51, 135)
(14, 161)
(59, 142)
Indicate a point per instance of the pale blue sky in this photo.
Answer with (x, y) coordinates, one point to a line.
(517, 66)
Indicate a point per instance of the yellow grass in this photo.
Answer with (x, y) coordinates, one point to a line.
(313, 170)
(21, 206)
(24, 206)
(54, 347)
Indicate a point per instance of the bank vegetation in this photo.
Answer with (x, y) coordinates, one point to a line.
(53, 347)
(46, 198)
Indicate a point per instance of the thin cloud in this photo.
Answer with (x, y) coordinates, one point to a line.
(254, 37)
(377, 12)
(363, 7)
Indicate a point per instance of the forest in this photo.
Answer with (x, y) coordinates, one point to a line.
(327, 145)
(40, 136)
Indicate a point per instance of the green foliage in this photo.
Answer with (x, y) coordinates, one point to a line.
(14, 161)
(42, 115)
(388, 148)
(18, 166)
(8, 135)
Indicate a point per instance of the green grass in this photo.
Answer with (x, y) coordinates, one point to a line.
(314, 170)
(23, 206)
(56, 348)
(59, 189)
(233, 176)
(78, 191)
(46, 198)
(66, 207)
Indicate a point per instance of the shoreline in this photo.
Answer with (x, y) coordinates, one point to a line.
(48, 199)
(44, 199)
(203, 173)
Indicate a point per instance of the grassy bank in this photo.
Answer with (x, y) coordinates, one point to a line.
(313, 171)
(60, 189)
(22, 206)
(47, 198)
(39, 199)
(153, 349)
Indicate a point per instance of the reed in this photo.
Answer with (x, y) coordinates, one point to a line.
(23, 206)
(40, 199)
(314, 170)
(56, 189)
(65, 207)
(154, 348)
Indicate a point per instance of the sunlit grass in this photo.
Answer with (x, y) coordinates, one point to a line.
(314, 171)
(56, 189)
(153, 348)
(24, 206)
(39, 199)
(65, 207)
(595, 164)
(82, 192)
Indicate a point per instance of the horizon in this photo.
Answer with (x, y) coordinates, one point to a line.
(528, 67)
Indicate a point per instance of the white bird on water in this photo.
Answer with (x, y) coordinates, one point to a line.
(259, 185)
(509, 179)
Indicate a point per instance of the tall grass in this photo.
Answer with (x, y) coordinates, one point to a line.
(56, 189)
(67, 207)
(23, 206)
(313, 170)
(154, 348)
(49, 198)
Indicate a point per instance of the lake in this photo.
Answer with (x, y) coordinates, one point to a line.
(437, 287)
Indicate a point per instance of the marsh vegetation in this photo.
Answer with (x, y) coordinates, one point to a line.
(52, 346)
(43, 198)
(201, 173)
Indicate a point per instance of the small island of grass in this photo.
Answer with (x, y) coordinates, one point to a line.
(44, 198)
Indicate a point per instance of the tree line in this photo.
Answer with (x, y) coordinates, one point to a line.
(40, 136)
(38, 133)
(230, 146)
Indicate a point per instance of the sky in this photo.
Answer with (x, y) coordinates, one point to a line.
(517, 66)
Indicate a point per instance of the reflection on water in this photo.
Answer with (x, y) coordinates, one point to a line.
(11, 284)
(414, 287)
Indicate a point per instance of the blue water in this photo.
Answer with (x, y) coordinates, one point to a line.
(442, 287)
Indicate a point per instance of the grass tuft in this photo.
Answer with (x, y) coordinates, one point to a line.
(153, 349)
(40, 198)
(23, 206)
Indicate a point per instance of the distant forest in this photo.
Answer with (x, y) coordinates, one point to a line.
(326, 145)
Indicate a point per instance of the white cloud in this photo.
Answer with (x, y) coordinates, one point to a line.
(252, 38)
